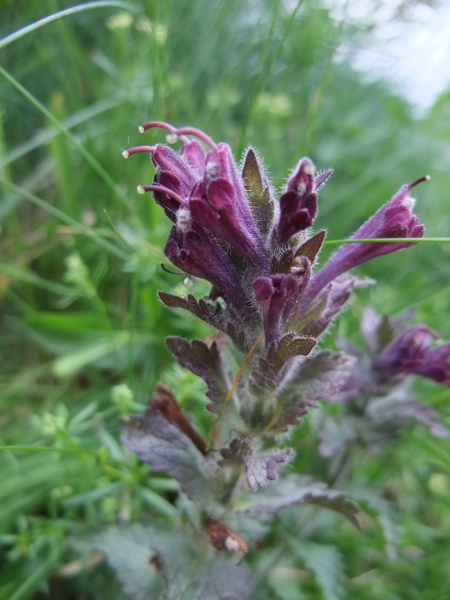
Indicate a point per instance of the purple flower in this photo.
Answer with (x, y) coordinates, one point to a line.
(195, 251)
(208, 185)
(338, 293)
(393, 220)
(414, 352)
(220, 204)
(298, 205)
(278, 295)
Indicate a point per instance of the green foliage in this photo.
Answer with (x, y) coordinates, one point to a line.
(82, 329)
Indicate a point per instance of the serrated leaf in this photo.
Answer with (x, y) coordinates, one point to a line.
(128, 552)
(311, 247)
(195, 577)
(295, 491)
(156, 565)
(205, 361)
(317, 378)
(260, 467)
(211, 313)
(166, 448)
(274, 362)
(327, 565)
(396, 410)
(384, 513)
(258, 192)
(328, 305)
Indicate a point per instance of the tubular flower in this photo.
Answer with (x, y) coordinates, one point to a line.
(197, 253)
(393, 220)
(414, 352)
(298, 205)
(218, 202)
(278, 295)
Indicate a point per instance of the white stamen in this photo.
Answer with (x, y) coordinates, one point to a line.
(125, 153)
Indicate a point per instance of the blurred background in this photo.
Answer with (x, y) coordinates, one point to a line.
(360, 86)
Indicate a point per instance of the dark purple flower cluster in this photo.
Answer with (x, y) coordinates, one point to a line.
(256, 251)
(376, 400)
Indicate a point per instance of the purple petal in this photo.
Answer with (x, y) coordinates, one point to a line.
(197, 253)
(414, 352)
(195, 156)
(278, 295)
(220, 204)
(298, 205)
(393, 220)
(166, 159)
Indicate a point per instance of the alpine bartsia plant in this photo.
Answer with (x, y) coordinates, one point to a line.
(270, 304)
(376, 399)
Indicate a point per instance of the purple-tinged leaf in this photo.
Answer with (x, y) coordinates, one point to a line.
(205, 361)
(321, 178)
(260, 467)
(397, 410)
(128, 553)
(316, 378)
(294, 490)
(332, 301)
(312, 246)
(171, 565)
(273, 363)
(166, 448)
(210, 312)
(258, 192)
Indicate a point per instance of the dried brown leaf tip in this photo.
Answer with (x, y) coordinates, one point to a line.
(166, 403)
(223, 538)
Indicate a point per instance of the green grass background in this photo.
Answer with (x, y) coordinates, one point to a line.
(81, 329)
